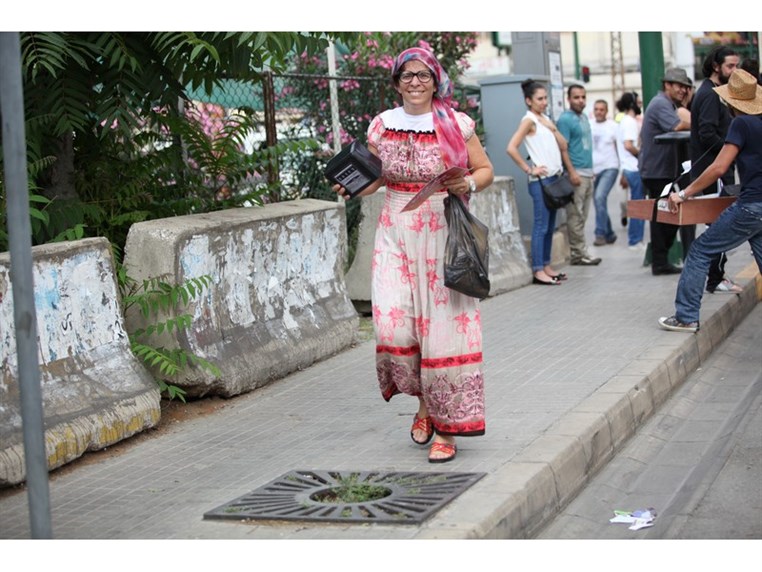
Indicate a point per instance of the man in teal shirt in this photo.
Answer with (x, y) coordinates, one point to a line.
(575, 127)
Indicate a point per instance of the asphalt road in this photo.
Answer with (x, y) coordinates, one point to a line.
(697, 462)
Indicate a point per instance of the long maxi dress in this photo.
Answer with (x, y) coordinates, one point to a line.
(428, 337)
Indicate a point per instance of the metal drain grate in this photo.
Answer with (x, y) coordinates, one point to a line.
(310, 495)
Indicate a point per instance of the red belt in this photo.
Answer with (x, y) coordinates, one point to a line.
(405, 187)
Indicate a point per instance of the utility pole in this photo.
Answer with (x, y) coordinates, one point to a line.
(617, 66)
(577, 73)
(330, 53)
(22, 281)
(334, 97)
(651, 64)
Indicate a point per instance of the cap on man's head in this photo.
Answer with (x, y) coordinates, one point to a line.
(677, 75)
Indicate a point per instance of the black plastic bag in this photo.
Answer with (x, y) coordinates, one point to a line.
(557, 194)
(466, 262)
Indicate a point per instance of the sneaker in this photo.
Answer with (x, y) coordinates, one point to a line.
(637, 247)
(586, 261)
(599, 241)
(611, 240)
(675, 325)
(726, 287)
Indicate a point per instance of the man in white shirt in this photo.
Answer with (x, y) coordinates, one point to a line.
(605, 169)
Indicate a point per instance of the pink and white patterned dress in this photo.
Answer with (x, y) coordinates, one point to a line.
(428, 337)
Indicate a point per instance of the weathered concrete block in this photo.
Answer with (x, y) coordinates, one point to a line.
(538, 501)
(358, 275)
(642, 402)
(659, 382)
(566, 457)
(277, 302)
(465, 517)
(690, 358)
(495, 206)
(612, 402)
(594, 434)
(95, 392)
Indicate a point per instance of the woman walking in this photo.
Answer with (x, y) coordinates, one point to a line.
(428, 337)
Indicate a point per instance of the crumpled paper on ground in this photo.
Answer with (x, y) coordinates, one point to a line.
(641, 518)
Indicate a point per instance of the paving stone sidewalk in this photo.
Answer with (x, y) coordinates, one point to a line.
(570, 372)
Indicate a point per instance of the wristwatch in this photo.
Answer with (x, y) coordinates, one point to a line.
(471, 184)
(681, 194)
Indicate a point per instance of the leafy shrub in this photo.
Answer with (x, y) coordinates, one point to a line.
(160, 304)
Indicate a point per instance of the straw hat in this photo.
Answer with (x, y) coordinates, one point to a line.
(742, 92)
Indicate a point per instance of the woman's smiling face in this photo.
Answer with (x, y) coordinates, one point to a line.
(539, 100)
(416, 94)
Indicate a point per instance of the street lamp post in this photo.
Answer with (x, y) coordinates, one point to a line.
(25, 317)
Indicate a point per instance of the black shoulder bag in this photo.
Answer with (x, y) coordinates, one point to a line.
(559, 193)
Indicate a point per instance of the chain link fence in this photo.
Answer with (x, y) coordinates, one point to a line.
(296, 107)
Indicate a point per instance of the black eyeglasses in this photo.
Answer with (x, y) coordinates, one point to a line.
(423, 76)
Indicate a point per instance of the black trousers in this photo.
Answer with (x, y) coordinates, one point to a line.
(663, 234)
(663, 237)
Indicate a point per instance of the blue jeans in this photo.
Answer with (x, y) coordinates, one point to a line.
(604, 182)
(737, 224)
(635, 226)
(543, 227)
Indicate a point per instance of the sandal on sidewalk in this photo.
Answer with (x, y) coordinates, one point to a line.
(425, 425)
(450, 449)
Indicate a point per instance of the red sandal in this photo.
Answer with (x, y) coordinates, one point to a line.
(449, 448)
(424, 424)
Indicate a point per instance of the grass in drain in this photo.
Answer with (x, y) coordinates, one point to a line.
(350, 491)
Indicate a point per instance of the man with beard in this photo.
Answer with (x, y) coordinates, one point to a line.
(658, 163)
(709, 125)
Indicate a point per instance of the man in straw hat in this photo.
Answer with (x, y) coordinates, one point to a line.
(742, 220)
(710, 120)
(658, 163)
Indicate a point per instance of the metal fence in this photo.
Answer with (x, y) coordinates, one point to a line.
(296, 107)
(290, 107)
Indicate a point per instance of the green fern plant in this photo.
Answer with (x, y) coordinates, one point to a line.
(160, 304)
(38, 204)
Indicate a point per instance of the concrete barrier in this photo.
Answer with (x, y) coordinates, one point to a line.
(495, 206)
(509, 264)
(278, 299)
(95, 392)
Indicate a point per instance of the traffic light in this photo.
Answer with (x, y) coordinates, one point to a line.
(585, 74)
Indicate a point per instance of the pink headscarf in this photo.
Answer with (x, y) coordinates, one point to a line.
(449, 136)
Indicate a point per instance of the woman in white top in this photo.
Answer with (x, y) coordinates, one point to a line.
(545, 146)
(628, 143)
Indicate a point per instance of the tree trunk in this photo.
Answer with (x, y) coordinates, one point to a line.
(58, 182)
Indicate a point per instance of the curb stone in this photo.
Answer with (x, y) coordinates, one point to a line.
(545, 476)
